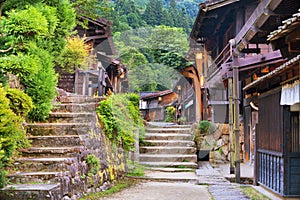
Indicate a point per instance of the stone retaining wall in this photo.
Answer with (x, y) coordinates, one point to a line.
(217, 142)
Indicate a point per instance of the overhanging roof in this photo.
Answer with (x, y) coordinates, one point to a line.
(209, 12)
(275, 72)
(153, 95)
(287, 26)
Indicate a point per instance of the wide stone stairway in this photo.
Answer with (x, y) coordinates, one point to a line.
(169, 147)
(51, 167)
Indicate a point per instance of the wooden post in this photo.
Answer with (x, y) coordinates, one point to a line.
(205, 63)
(100, 90)
(199, 66)
(191, 73)
(236, 120)
(231, 133)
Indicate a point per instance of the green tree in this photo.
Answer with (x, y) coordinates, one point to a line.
(154, 13)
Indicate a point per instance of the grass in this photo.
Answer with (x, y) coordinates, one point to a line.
(135, 169)
(118, 186)
(253, 194)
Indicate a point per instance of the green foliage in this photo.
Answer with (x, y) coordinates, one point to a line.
(34, 34)
(12, 134)
(75, 54)
(20, 103)
(3, 178)
(204, 126)
(93, 163)
(153, 13)
(153, 54)
(3, 79)
(120, 119)
(41, 87)
(170, 114)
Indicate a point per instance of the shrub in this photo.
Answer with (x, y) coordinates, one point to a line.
(12, 134)
(120, 119)
(41, 87)
(204, 126)
(75, 54)
(170, 112)
(93, 163)
(20, 103)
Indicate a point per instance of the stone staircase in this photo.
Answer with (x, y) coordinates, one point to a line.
(169, 148)
(54, 167)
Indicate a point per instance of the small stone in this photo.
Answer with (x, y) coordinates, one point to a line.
(219, 143)
(74, 197)
(66, 198)
(225, 150)
(98, 190)
(225, 139)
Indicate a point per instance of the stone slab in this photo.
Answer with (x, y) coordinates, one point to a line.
(32, 187)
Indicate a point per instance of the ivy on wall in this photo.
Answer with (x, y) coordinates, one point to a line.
(120, 118)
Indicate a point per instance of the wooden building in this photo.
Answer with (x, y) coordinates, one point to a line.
(276, 97)
(186, 102)
(104, 73)
(248, 23)
(153, 104)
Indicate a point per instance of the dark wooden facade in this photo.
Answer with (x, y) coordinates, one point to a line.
(186, 102)
(271, 131)
(277, 163)
(153, 104)
(249, 23)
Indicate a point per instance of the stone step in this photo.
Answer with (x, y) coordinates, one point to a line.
(35, 177)
(31, 191)
(166, 125)
(55, 141)
(171, 176)
(168, 150)
(171, 164)
(79, 99)
(167, 158)
(168, 136)
(44, 164)
(168, 130)
(39, 152)
(165, 143)
(58, 128)
(170, 169)
(75, 107)
(68, 117)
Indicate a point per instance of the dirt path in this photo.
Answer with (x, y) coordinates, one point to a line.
(162, 191)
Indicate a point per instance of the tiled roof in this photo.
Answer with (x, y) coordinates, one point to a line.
(287, 26)
(156, 94)
(274, 72)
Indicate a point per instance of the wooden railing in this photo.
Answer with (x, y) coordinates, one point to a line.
(270, 170)
(87, 82)
(223, 57)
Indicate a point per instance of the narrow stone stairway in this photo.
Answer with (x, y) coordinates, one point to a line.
(51, 167)
(169, 148)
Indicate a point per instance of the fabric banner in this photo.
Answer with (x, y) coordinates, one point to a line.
(290, 94)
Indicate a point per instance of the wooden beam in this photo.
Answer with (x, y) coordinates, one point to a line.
(257, 19)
